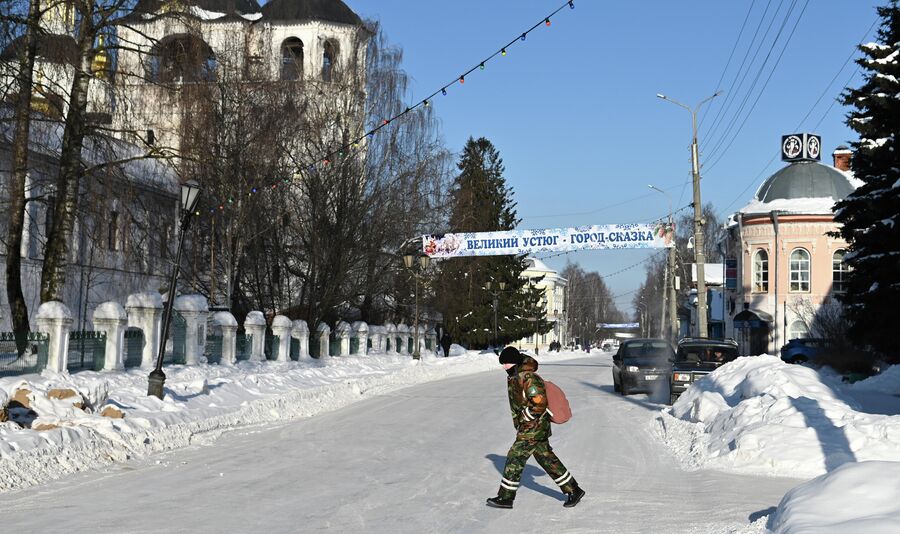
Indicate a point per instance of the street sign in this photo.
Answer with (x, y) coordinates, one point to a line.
(730, 274)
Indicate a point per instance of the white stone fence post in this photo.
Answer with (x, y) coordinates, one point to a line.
(255, 325)
(194, 309)
(324, 332)
(110, 318)
(55, 319)
(228, 325)
(403, 338)
(361, 333)
(431, 335)
(301, 331)
(390, 335)
(145, 312)
(281, 327)
(342, 332)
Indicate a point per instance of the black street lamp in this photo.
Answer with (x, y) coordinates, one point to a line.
(496, 294)
(417, 269)
(190, 194)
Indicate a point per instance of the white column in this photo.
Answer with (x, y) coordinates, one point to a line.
(390, 337)
(421, 338)
(342, 331)
(55, 319)
(229, 325)
(324, 332)
(301, 331)
(255, 325)
(403, 334)
(281, 327)
(145, 312)
(111, 319)
(194, 309)
(361, 332)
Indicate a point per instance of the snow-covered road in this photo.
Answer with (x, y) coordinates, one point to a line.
(418, 460)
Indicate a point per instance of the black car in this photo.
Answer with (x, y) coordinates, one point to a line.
(696, 358)
(641, 365)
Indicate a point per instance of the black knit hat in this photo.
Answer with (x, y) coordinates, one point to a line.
(511, 355)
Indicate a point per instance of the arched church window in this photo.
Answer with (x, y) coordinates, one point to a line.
(799, 270)
(183, 58)
(798, 330)
(292, 59)
(839, 271)
(329, 60)
(761, 271)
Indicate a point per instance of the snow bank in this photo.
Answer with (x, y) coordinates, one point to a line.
(200, 403)
(856, 497)
(759, 415)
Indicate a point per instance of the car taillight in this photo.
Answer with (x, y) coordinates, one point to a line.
(682, 377)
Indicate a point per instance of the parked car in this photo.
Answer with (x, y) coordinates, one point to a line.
(641, 364)
(802, 350)
(695, 358)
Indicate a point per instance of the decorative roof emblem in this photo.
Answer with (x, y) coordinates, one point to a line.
(801, 147)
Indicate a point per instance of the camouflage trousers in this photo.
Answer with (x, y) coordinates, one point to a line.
(543, 453)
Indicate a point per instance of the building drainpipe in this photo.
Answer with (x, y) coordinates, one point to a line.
(774, 216)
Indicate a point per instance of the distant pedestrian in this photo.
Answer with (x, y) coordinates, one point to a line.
(446, 341)
(528, 404)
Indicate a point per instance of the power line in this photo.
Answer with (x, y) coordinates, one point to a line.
(727, 135)
(808, 113)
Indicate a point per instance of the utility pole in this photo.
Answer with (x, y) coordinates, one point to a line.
(669, 290)
(699, 256)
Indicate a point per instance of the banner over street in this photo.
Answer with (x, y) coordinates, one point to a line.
(516, 242)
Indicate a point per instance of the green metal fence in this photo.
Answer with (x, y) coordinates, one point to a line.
(179, 339)
(369, 344)
(398, 343)
(409, 344)
(428, 342)
(33, 359)
(295, 349)
(243, 347)
(87, 351)
(334, 347)
(314, 347)
(134, 347)
(354, 345)
(271, 346)
(213, 350)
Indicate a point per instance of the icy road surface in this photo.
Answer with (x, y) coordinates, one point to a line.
(420, 460)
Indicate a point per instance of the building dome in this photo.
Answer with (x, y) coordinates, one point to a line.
(805, 179)
(303, 10)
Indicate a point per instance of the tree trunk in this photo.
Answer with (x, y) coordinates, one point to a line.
(14, 295)
(56, 258)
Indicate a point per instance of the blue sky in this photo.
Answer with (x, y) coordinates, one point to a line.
(574, 113)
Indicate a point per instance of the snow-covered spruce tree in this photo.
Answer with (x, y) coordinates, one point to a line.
(482, 202)
(871, 215)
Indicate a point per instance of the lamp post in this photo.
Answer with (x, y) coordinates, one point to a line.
(190, 194)
(416, 268)
(699, 256)
(643, 309)
(669, 294)
(496, 295)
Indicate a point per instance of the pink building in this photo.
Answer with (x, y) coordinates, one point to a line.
(787, 263)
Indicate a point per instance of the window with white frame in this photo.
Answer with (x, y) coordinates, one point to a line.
(798, 330)
(761, 272)
(839, 271)
(799, 270)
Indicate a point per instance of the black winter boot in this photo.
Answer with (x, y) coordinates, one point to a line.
(499, 502)
(574, 497)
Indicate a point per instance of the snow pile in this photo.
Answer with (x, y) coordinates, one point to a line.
(887, 382)
(760, 415)
(200, 403)
(856, 497)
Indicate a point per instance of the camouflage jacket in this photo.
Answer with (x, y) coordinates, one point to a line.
(528, 402)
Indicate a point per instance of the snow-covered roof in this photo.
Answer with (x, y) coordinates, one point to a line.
(806, 187)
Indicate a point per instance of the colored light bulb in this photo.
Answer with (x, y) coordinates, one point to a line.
(253, 190)
(427, 103)
(462, 79)
(547, 22)
(444, 92)
(503, 52)
(481, 66)
(523, 37)
(571, 4)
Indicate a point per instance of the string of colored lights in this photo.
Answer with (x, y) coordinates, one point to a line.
(351, 146)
